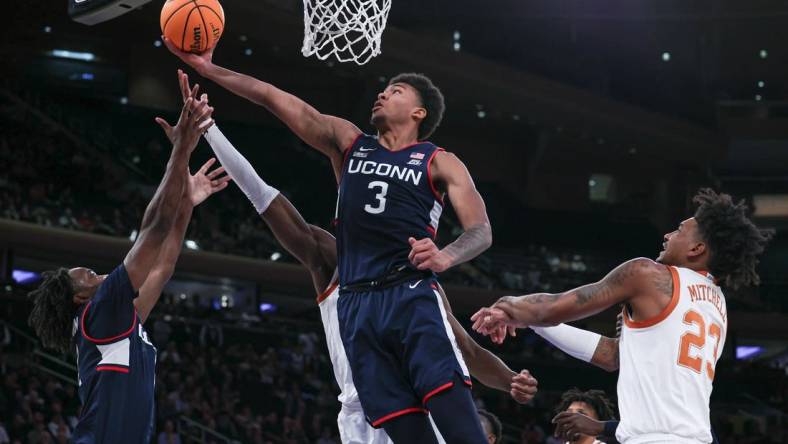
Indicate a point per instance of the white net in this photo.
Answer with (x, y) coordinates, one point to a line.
(348, 29)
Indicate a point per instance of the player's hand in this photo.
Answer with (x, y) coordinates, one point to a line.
(570, 426)
(204, 183)
(425, 255)
(493, 322)
(200, 62)
(523, 387)
(186, 133)
(186, 91)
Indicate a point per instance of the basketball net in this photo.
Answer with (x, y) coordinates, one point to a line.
(348, 29)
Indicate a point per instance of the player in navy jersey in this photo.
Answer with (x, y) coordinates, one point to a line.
(316, 249)
(101, 316)
(391, 190)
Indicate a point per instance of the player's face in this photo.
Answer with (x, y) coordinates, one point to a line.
(678, 243)
(396, 104)
(86, 279)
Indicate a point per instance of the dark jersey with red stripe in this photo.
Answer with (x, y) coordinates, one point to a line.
(385, 197)
(116, 365)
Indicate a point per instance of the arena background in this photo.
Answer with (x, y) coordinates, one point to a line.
(588, 126)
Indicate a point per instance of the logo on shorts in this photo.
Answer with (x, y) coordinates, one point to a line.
(415, 285)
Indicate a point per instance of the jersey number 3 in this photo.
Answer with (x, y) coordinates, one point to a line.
(690, 339)
(380, 204)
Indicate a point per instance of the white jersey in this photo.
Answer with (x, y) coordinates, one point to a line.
(667, 364)
(353, 426)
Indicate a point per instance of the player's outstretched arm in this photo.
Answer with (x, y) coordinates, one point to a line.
(635, 282)
(328, 134)
(314, 247)
(471, 211)
(489, 369)
(584, 345)
(163, 208)
(200, 186)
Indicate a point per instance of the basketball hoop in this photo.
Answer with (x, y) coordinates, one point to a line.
(348, 29)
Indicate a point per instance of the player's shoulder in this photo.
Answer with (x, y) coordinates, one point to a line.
(646, 275)
(446, 160)
(640, 268)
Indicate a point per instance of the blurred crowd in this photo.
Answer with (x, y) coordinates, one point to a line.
(275, 385)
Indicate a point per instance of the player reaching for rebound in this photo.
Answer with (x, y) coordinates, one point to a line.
(316, 249)
(675, 320)
(403, 356)
(103, 315)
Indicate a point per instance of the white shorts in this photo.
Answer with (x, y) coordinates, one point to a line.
(354, 428)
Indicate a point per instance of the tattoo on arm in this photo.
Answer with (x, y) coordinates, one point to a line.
(607, 286)
(541, 298)
(606, 354)
(663, 283)
(470, 244)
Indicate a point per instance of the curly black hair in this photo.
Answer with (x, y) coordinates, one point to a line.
(431, 100)
(52, 317)
(734, 241)
(595, 398)
(495, 424)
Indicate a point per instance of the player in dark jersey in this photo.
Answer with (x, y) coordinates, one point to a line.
(391, 190)
(316, 249)
(102, 315)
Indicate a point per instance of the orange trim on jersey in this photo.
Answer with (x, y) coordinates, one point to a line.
(674, 300)
(398, 413)
(106, 340)
(429, 175)
(324, 295)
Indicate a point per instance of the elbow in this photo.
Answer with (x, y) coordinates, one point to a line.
(488, 236)
(314, 263)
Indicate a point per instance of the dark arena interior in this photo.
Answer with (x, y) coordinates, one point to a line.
(587, 127)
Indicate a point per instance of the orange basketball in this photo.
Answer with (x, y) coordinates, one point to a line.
(192, 25)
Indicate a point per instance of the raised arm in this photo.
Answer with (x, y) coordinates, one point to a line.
(489, 369)
(329, 134)
(452, 175)
(200, 186)
(162, 210)
(314, 247)
(642, 284)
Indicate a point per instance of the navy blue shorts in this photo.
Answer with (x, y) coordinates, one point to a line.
(400, 347)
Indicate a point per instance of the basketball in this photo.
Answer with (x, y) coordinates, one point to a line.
(192, 25)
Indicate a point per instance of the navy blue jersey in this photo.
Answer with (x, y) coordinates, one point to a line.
(385, 197)
(116, 364)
